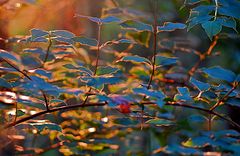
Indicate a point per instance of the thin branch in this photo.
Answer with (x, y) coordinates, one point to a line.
(16, 68)
(46, 100)
(64, 108)
(48, 50)
(223, 98)
(203, 56)
(97, 59)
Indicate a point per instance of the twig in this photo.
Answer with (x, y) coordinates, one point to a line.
(202, 57)
(48, 50)
(224, 97)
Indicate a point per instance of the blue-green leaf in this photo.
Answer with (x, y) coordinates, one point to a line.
(212, 28)
(38, 33)
(137, 26)
(63, 33)
(184, 94)
(165, 61)
(42, 124)
(233, 102)
(79, 68)
(135, 59)
(4, 83)
(169, 26)
(85, 41)
(106, 70)
(228, 22)
(198, 20)
(220, 73)
(160, 122)
(201, 86)
(7, 55)
(110, 19)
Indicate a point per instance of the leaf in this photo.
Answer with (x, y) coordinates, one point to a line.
(106, 70)
(165, 61)
(160, 122)
(142, 37)
(35, 51)
(135, 59)
(137, 26)
(63, 33)
(41, 125)
(168, 26)
(220, 73)
(228, 22)
(85, 41)
(184, 94)
(20, 113)
(99, 81)
(43, 73)
(198, 142)
(229, 8)
(38, 33)
(212, 28)
(4, 83)
(198, 20)
(79, 68)
(179, 150)
(110, 19)
(7, 55)
(233, 102)
(156, 96)
(32, 104)
(201, 86)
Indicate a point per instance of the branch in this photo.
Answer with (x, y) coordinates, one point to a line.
(174, 104)
(203, 56)
(224, 97)
(48, 50)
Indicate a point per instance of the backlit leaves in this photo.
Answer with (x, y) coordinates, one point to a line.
(220, 73)
(135, 59)
(85, 41)
(212, 28)
(168, 26)
(165, 61)
(137, 26)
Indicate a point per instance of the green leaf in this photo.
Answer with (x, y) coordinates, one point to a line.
(85, 41)
(7, 55)
(38, 33)
(137, 26)
(160, 122)
(179, 150)
(142, 37)
(42, 72)
(20, 113)
(106, 70)
(212, 28)
(135, 59)
(220, 73)
(169, 26)
(165, 61)
(62, 33)
(201, 86)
